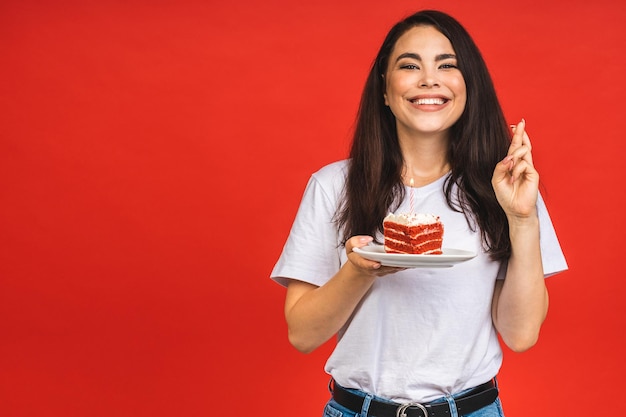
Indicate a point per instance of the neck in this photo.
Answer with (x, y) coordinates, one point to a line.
(422, 177)
(425, 161)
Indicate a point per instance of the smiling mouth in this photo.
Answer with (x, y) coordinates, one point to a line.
(429, 101)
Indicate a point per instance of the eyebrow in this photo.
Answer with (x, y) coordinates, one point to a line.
(415, 56)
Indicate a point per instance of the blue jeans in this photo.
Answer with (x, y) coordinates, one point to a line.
(333, 409)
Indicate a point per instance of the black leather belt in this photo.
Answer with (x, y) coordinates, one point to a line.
(473, 400)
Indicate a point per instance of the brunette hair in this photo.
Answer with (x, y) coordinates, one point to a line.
(478, 141)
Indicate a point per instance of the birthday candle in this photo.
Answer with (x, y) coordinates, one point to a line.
(411, 195)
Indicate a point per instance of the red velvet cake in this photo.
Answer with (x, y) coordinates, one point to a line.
(413, 233)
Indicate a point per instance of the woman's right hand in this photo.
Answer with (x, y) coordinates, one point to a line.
(363, 265)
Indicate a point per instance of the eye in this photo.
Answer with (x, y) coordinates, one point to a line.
(448, 65)
(409, 66)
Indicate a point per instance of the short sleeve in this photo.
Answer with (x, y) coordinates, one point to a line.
(552, 255)
(312, 250)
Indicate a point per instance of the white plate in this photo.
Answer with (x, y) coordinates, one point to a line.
(448, 258)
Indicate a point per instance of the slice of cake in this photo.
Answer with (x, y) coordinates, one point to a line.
(413, 233)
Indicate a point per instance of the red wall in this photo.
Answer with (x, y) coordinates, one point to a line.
(152, 157)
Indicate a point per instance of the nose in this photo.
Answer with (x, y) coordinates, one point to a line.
(428, 79)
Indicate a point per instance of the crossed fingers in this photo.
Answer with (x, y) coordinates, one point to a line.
(519, 157)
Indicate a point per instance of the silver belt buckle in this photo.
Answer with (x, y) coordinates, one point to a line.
(401, 412)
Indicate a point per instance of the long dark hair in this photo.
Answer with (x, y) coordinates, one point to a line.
(478, 141)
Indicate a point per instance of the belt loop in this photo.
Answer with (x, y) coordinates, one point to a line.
(366, 405)
(452, 404)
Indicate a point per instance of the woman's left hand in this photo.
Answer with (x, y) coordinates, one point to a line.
(515, 180)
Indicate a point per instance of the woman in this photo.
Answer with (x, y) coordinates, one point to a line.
(422, 341)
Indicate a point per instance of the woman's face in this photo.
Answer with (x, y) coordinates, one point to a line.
(423, 85)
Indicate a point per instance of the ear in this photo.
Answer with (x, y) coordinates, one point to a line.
(385, 86)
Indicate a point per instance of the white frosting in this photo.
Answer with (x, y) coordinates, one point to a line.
(412, 219)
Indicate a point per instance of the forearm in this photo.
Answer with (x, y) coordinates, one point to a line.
(315, 314)
(521, 301)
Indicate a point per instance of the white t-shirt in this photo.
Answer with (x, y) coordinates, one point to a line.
(420, 333)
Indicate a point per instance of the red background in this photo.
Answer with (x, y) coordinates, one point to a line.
(152, 158)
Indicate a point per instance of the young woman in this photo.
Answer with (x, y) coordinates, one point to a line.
(422, 341)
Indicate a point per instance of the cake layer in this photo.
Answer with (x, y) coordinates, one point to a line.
(413, 234)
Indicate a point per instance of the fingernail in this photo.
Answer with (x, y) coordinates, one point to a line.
(365, 239)
(523, 121)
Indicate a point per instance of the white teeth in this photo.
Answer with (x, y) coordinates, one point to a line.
(429, 101)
